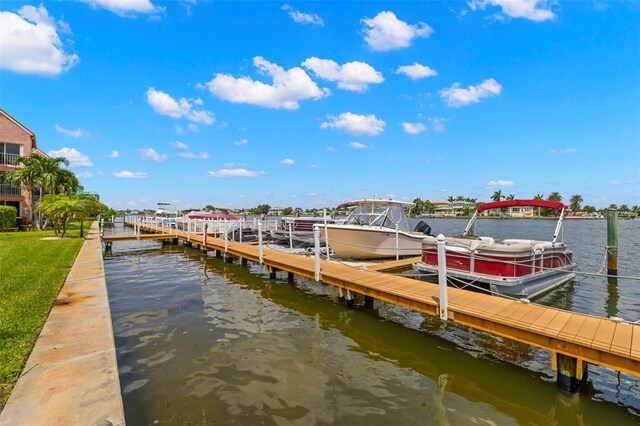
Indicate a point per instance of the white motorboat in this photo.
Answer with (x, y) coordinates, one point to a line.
(514, 267)
(376, 229)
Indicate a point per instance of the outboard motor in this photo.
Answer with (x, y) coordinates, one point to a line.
(423, 227)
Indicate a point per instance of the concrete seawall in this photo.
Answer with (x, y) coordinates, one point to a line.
(71, 376)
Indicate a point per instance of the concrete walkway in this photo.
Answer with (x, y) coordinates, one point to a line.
(71, 377)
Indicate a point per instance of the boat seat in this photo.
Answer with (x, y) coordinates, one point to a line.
(535, 244)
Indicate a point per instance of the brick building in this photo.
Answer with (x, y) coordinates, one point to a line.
(15, 141)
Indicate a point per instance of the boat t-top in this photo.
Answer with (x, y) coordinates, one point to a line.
(375, 229)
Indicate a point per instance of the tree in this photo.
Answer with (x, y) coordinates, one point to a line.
(416, 209)
(497, 196)
(574, 203)
(589, 209)
(510, 197)
(429, 207)
(554, 196)
(61, 209)
(451, 199)
(36, 172)
(261, 209)
(624, 208)
(287, 211)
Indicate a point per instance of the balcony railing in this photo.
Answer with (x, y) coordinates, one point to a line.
(10, 190)
(8, 159)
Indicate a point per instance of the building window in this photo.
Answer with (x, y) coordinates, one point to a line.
(9, 152)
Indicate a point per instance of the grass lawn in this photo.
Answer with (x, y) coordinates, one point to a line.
(32, 271)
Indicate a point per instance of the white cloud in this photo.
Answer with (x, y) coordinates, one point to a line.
(114, 154)
(288, 87)
(563, 151)
(416, 71)
(625, 182)
(331, 149)
(313, 166)
(500, 183)
(357, 145)
(125, 174)
(125, 8)
(303, 18)
(85, 175)
(151, 154)
(193, 155)
(354, 76)
(287, 161)
(180, 145)
(413, 128)
(30, 44)
(164, 104)
(227, 173)
(386, 32)
(77, 133)
(456, 97)
(438, 123)
(75, 157)
(241, 142)
(535, 10)
(355, 124)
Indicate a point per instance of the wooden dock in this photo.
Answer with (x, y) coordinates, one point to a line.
(599, 341)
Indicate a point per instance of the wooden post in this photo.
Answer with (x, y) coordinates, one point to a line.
(442, 277)
(316, 240)
(612, 242)
(326, 232)
(349, 299)
(260, 241)
(204, 237)
(571, 374)
(290, 237)
(368, 302)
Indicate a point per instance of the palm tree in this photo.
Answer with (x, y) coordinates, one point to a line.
(555, 196)
(36, 172)
(451, 199)
(538, 197)
(417, 207)
(510, 197)
(574, 203)
(497, 196)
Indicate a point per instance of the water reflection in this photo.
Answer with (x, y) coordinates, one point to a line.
(201, 341)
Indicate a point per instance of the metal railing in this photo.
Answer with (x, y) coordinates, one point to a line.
(8, 159)
(10, 190)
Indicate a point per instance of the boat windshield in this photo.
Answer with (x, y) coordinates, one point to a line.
(379, 215)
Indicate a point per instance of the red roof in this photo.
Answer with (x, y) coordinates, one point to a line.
(521, 203)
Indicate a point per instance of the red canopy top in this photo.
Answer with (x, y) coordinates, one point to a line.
(519, 203)
(211, 216)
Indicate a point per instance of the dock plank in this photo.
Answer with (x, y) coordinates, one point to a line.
(621, 342)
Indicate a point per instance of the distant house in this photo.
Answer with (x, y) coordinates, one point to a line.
(15, 141)
(276, 211)
(447, 208)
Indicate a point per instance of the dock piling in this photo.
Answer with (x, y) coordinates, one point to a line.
(612, 242)
(316, 240)
(442, 277)
(571, 374)
(260, 254)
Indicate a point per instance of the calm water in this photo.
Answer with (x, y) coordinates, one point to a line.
(203, 342)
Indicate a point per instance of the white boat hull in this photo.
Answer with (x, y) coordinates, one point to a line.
(362, 242)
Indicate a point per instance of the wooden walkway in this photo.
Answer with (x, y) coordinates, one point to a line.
(600, 341)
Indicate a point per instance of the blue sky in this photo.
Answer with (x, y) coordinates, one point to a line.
(311, 104)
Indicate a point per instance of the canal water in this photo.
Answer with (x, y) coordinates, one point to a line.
(200, 341)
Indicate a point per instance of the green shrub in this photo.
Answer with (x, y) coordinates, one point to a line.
(8, 217)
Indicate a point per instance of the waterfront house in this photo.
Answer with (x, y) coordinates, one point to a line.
(15, 141)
